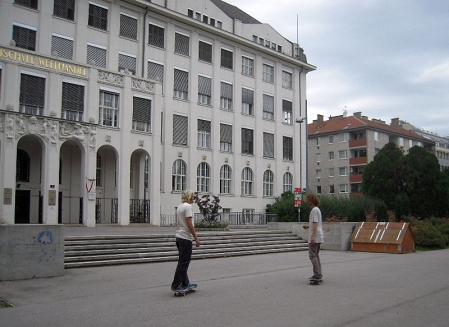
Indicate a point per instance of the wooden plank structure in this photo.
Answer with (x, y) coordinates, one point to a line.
(385, 237)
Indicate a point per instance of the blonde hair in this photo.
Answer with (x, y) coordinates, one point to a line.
(186, 195)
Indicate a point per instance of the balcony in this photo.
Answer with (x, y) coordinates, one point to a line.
(356, 178)
(357, 143)
(358, 161)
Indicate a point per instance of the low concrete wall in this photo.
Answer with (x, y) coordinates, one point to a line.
(31, 251)
(336, 235)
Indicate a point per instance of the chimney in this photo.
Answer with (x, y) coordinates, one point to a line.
(319, 118)
(357, 114)
(395, 123)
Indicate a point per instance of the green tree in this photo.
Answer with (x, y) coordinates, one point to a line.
(383, 177)
(284, 208)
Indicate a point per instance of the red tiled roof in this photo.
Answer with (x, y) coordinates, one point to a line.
(338, 124)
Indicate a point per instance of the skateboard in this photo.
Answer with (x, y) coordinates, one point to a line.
(184, 292)
(315, 281)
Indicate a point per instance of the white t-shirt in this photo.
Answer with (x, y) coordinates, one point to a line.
(182, 212)
(315, 217)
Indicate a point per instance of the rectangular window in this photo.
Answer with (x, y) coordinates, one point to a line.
(96, 55)
(204, 134)
(64, 9)
(226, 96)
(343, 188)
(180, 129)
(247, 66)
(27, 3)
(204, 90)
(247, 101)
(343, 137)
(247, 141)
(205, 51)
(331, 172)
(212, 22)
(331, 155)
(268, 73)
(181, 84)
(268, 145)
(227, 59)
(32, 95)
(343, 171)
(62, 46)
(205, 19)
(24, 36)
(156, 36)
(98, 16)
(141, 114)
(331, 139)
(109, 107)
(287, 148)
(318, 141)
(318, 173)
(225, 180)
(287, 109)
(225, 137)
(182, 44)
(287, 79)
(331, 189)
(72, 106)
(343, 154)
(155, 71)
(318, 157)
(268, 107)
(376, 136)
(128, 26)
(127, 62)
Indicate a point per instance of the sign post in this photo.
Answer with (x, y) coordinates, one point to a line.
(298, 201)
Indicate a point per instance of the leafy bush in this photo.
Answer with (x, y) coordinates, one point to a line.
(428, 233)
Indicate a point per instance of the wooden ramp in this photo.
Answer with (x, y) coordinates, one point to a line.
(385, 237)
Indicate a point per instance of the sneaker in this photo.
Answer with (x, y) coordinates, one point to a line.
(315, 277)
(180, 288)
(191, 286)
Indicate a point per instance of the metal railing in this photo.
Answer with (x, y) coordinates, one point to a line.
(232, 218)
(139, 211)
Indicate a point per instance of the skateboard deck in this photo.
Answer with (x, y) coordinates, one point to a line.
(315, 281)
(183, 293)
(188, 290)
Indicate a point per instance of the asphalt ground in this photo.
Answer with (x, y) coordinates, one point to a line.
(358, 289)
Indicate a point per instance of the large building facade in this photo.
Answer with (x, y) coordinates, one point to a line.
(109, 109)
(341, 147)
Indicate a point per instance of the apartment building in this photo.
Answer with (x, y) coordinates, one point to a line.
(109, 109)
(441, 143)
(340, 148)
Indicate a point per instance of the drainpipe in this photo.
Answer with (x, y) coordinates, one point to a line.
(144, 41)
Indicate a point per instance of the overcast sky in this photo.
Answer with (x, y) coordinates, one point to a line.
(385, 58)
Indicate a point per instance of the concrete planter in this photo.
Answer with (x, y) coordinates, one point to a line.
(336, 235)
(31, 251)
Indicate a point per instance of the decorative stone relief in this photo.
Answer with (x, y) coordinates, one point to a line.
(142, 85)
(110, 78)
(141, 143)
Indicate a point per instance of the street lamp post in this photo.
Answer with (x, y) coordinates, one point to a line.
(300, 120)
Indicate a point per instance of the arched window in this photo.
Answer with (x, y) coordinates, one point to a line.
(268, 178)
(203, 177)
(225, 179)
(179, 176)
(247, 181)
(287, 182)
(22, 167)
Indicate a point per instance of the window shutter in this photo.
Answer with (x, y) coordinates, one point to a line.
(180, 129)
(226, 90)
(204, 85)
(204, 125)
(127, 62)
(156, 71)
(181, 81)
(268, 103)
(225, 133)
(128, 27)
(142, 110)
(96, 54)
(268, 145)
(64, 47)
(72, 97)
(32, 91)
(247, 96)
(181, 44)
(287, 106)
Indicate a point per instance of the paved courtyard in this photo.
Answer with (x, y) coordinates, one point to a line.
(359, 289)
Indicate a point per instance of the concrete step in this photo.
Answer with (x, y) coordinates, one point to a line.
(103, 250)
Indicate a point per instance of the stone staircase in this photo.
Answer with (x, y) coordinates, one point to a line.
(105, 250)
